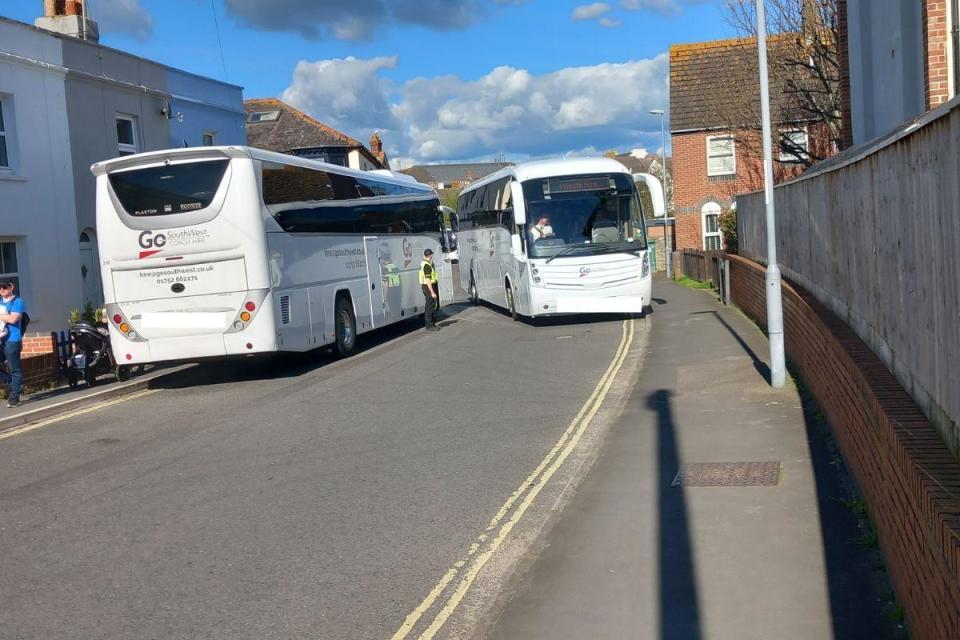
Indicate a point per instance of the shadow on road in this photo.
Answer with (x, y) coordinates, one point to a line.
(679, 606)
(290, 365)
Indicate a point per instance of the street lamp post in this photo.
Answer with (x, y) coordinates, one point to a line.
(778, 369)
(663, 175)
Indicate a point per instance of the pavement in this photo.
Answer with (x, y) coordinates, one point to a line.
(634, 557)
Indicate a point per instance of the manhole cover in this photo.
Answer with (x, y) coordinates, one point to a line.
(728, 474)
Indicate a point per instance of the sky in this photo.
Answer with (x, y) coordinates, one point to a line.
(441, 80)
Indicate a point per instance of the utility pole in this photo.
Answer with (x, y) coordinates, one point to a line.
(663, 175)
(778, 368)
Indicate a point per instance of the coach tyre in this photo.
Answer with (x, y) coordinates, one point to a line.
(346, 327)
(511, 305)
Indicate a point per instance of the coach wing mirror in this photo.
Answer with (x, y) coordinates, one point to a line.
(656, 192)
(519, 206)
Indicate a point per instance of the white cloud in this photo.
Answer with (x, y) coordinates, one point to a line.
(590, 11)
(666, 7)
(357, 19)
(344, 92)
(123, 16)
(609, 23)
(509, 110)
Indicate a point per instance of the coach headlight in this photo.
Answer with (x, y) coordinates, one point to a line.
(645, 265)
(535, 275)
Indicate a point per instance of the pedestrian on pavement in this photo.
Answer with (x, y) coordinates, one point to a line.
(11, 312)
(428, 283)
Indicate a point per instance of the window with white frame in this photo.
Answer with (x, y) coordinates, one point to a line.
(721, 158)
(128, 142)
(208, 138)
(9, 269)
(794, 145)
(712, 236)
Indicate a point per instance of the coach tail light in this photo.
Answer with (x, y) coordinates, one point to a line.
(122, 324)
(248, 310)
(645, 264)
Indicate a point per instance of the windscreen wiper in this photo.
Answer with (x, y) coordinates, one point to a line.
(563, 252)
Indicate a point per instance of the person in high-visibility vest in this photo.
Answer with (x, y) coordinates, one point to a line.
(431, 294)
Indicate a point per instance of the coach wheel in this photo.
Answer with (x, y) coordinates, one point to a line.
(511, 305)
(123, 373)
(346, 327)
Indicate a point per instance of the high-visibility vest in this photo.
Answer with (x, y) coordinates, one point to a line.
(433, 273)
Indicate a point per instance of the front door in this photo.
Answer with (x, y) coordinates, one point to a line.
(375, 282)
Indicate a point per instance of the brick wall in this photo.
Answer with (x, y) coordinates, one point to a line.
(693, 188)
(936, 45)
(909, 479)
(38, 360)
(846, 130)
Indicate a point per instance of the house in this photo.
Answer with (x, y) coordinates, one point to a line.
(276, 126)
(716, 147)
(454, 175)
(898, 61)
(67, 102)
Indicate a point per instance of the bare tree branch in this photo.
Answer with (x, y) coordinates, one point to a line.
(804, 68)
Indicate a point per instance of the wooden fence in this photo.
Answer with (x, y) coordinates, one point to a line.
(701, 265)
(875, 236)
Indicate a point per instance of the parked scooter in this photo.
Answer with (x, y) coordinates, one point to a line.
(92, 355)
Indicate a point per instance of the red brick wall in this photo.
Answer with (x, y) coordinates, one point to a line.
(846, 131)
(936, 44)
(693, 188)
(909, 479)
(37, 343)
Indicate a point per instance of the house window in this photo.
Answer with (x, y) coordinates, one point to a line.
(208, 138)
(712, 236)
(127, 139)
(9, 269)
(4, 153)
(794, 146)
(721, 159)
(263, 116)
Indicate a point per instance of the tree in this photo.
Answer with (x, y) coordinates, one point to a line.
(804, 67)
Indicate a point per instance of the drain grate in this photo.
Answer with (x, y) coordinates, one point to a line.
(728, 474)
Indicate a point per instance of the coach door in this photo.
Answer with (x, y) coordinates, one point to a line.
(375, 282)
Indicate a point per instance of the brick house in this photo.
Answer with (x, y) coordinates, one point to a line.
(276, 126)
(898, 61)
(712, 86)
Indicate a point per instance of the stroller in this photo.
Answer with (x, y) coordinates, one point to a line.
(92, 355)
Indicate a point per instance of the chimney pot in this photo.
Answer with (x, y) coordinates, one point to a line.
(70, 8)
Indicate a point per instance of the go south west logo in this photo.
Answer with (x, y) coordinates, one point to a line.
(407, 252)
(152, 243)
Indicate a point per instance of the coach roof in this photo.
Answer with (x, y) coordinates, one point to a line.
(554, 167)
(208, 153)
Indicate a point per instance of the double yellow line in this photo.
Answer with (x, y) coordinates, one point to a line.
(75, 413)
(488, 542)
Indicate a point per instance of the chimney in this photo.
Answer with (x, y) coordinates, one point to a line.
(69, 18)
(376, 144)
